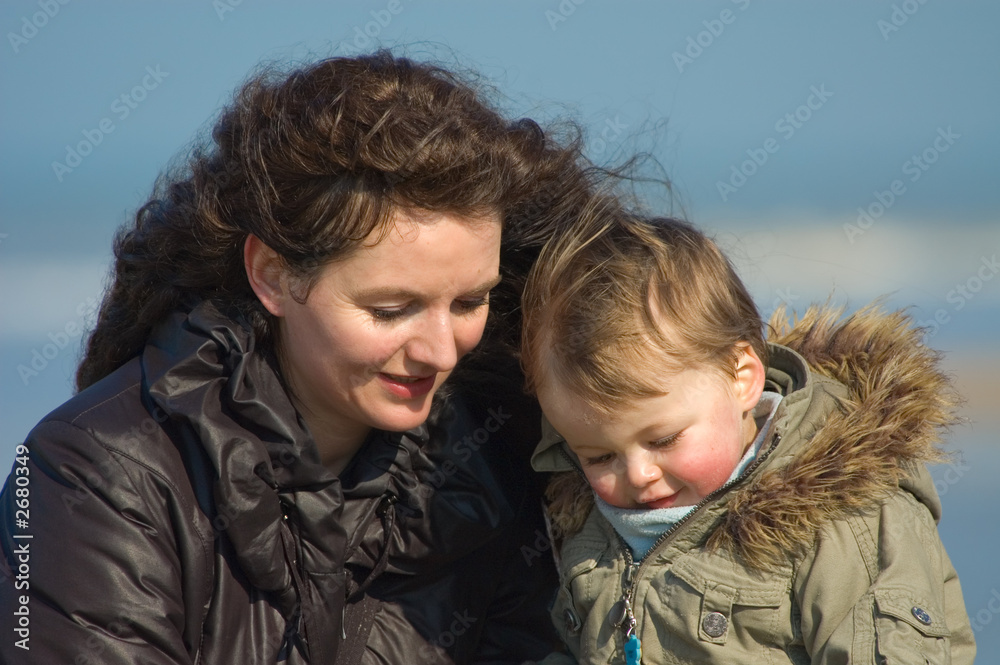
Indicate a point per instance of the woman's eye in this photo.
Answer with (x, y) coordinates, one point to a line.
(380, 314)
(472, 304)
(462, 306)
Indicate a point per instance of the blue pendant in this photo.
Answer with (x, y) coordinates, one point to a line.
(633, 650)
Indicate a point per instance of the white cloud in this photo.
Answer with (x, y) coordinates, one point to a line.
(805, 256)
(925, 264)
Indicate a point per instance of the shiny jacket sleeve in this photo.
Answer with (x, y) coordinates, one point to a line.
(518, 627)
(880, 588)
(91, 574)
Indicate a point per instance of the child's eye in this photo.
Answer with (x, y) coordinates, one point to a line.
(594, 461)
(666, 441)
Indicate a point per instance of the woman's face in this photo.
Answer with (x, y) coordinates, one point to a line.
(383, 328)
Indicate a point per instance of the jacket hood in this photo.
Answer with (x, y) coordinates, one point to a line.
(866, 396)
(204, 379)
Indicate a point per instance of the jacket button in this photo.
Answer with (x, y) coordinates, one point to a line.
(573, 624)
(714, 624)
(922, 616)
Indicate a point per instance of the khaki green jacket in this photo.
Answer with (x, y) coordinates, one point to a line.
(824, 551)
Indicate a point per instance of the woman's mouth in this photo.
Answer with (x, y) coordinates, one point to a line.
(407, 387)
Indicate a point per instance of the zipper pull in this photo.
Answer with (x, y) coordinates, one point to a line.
(630, 571)
(621, 616)
(622, 609)
(633, 647)
(633, 650)
(616, 617)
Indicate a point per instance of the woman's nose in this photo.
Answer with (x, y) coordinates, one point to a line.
(434, 343)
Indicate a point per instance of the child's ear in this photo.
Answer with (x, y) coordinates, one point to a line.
(750, 374)
(266, 274)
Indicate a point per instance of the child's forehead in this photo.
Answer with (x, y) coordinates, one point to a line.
(597, 409)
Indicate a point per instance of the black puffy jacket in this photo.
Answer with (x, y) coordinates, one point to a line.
(176, 512)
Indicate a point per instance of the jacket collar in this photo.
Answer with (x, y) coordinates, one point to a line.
(203, 370)
(200, 369)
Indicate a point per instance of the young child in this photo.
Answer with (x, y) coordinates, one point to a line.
(726, 499)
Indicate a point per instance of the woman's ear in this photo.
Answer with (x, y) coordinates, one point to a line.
(266, 274)
(750, 374)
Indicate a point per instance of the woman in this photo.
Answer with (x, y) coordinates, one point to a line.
(260, 465)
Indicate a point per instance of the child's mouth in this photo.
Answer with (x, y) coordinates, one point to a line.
(664, 502)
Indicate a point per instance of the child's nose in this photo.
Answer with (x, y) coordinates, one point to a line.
(642, 471)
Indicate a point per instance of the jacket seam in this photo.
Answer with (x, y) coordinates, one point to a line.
(99, 404)
(115, 454)
(206, 555)
(867, 546)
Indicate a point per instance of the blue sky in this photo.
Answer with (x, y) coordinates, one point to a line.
(775, 121)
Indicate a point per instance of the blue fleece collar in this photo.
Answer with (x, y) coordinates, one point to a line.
(641, 527)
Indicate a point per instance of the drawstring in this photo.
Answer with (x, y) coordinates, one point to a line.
(360, 609)
(293, 634)
(387, 516)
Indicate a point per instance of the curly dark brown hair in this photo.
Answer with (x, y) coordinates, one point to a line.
(312, 162)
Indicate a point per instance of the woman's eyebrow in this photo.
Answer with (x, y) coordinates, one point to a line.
(377, 292)
(487, 285)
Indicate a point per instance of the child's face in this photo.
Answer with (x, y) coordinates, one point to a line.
(670, 450)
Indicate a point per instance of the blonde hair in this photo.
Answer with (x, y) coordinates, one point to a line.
(619, 300)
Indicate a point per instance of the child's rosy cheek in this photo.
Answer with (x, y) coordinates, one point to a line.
(715, 477)
(701, 474)
(603, 486)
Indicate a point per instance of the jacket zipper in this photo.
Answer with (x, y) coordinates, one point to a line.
(624, 617)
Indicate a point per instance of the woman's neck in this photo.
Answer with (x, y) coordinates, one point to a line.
(336, 441)
(336, 448)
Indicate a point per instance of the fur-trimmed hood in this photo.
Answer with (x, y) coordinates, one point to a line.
(865, 405)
